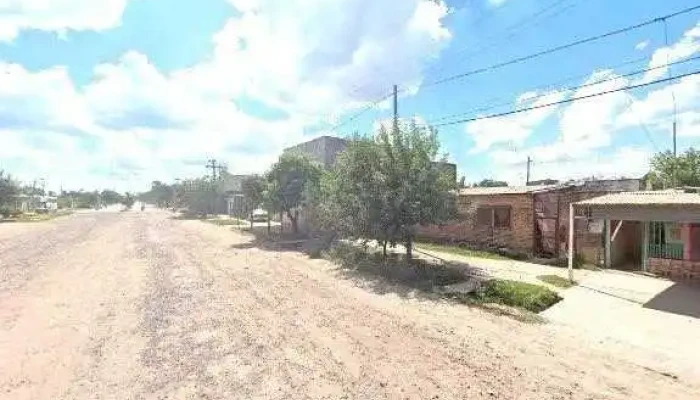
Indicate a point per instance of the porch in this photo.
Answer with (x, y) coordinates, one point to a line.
(656, 232)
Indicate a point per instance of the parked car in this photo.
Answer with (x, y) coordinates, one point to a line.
(259, 215)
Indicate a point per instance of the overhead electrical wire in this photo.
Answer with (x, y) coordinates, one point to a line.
(559, 48)
(524, 58)
(570, 100)
(573, 88)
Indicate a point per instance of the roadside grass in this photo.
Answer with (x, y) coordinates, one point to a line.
(461, 251)
(534, 298)
(38, 217)
(556, 280)
(518, 300)
(226, 222)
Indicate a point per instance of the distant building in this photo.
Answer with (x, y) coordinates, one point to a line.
(231, 200)
(324, 149)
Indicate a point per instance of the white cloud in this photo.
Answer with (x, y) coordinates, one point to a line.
(642, 45)
(688, 45)
(133, 123)
(514, 129)
(58, 15)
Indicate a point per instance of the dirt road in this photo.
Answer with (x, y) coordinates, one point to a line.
(140, 306)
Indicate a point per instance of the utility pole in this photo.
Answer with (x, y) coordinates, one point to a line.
(396, 107)
(529, 162)
(213, 165)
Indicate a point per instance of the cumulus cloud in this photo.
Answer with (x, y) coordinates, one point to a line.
(514, 129)
(58, 16)
(311, 61)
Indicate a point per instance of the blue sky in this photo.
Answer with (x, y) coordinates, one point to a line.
(123, 92)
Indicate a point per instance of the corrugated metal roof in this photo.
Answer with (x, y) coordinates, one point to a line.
(662, 197)
(490, 191)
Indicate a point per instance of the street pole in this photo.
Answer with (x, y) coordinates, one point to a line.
(396, 107)
(527, 179)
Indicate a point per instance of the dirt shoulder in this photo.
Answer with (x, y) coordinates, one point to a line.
(143, 306)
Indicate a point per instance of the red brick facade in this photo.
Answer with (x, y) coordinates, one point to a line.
(682, 270)
(518, 237)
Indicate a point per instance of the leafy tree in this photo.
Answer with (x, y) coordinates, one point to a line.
(128, 200)
(198, 195)
(289, 182)
(491, 183)
(354, 197)
(8, 189)
(253, 188)
(111, 197)
(670, 171)
(381, 189)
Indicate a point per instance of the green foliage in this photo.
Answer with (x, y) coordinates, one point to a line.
(197, 195)
(253, 188)
(128, 200)
(160, 194)
(556, 280)
(491, 183)
(8, 189)
(382, 188)
(291, 182)
(462, 251)
(111, 197)
(669, 171)
(531, 297)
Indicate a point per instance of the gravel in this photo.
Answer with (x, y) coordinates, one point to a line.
(141, 306)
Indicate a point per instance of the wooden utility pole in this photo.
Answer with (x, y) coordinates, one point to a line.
(529, 162)
(396, 107)
(214, 166)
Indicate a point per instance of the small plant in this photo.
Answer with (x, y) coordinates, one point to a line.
(556, 280)
(531, 297)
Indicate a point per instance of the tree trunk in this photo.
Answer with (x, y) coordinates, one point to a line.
(268, 224)
(384, 249)
(293, 219)
(409, 249)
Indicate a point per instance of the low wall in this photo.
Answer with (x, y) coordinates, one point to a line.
(678, 270)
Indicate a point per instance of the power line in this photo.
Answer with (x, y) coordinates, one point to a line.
(362, 111)
(511, 31)
(521, 110)
(573, 88)
(560, 48)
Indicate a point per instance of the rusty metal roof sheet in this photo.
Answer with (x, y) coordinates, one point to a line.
(658, 198)
(494, 191)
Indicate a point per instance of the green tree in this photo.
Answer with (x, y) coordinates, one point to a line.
(669, 171)
(382, 189)
(419, 192)
(491, 183)
(289, 182)
(354, 199)
(128, 200)
(111, 197)
(8, 189)
(253, 188)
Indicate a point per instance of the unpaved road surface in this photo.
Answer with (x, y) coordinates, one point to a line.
(141, 306)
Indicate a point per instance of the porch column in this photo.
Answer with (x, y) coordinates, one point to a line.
(571, 242)
(645, 246)
(608, 244)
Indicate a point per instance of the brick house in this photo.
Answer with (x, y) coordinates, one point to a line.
(663, 229)
(531, 220)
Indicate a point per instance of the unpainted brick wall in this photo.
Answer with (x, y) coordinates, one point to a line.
(519, 237)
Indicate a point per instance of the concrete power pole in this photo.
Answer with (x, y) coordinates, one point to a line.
(529, 162)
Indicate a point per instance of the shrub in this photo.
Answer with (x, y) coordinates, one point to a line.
(531, 297)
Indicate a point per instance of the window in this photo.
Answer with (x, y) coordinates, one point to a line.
(501, 217)
(665, 241)
(493, 217)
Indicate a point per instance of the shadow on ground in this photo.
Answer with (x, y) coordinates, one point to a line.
(677, 299)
